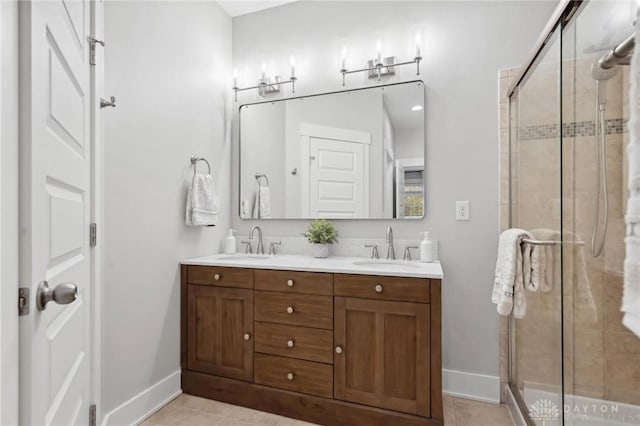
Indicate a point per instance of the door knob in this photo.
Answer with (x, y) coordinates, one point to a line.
(247, 336)
(338, 349)
(378, 288)
(290, 343)
(289, 376)
(290, 283)
(62, 294)
(290, 309)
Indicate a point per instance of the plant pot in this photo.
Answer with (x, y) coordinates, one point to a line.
(320, 250)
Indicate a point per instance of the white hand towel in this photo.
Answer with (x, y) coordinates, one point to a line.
(631, 292)
(262, 204)
(509, 277)
(202, 202)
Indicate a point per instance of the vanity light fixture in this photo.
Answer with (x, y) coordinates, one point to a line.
(267, 84)
(381, 65)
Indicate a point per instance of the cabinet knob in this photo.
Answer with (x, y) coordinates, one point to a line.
(247, 336)
(338, 349)
(289, 376)
(216, 277)
(378, 288)
(290, 343)
(290, 283)
(290, 309)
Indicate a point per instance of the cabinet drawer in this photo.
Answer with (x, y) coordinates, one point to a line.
(294, 309)
(312, 344)
(384, 288)
(219, 276)
(294, 282)
(294, 374)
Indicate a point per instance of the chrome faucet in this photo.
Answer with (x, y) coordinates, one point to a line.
(259, 248)
(391, 254)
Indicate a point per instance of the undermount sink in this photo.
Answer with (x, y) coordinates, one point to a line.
(385, 264)
(245, 257)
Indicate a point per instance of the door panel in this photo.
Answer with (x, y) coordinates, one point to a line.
(218, 319)
(55, 346)
(386, 352)
(336, 178)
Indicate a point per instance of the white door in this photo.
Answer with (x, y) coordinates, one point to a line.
(55, 343)
(336, 173)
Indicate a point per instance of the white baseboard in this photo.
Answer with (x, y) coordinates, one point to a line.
(479, 387)
(147, 402)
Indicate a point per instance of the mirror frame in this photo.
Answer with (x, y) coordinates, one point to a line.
(312, 95)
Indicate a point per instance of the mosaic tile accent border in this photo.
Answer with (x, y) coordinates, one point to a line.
(576, 129)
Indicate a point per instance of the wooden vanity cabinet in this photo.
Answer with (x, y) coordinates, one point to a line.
(332, 349)
(219, 325)
(382, 354)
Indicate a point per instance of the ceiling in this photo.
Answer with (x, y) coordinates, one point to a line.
(244, 7)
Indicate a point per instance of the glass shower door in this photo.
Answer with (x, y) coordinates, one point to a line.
(536, 206)
(602, 357)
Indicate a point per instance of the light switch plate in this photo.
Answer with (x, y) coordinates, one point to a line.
(462, 210)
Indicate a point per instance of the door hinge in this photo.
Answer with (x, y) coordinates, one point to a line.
(92, 49)
(23, 301)
(92, 415)
(93, 235)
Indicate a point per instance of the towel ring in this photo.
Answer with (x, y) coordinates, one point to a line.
(259, 177)
(194, 162)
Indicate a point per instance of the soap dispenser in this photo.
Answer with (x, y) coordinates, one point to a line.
(230, 243)
(426, 248)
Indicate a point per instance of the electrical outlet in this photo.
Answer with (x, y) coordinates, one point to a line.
(462, 210)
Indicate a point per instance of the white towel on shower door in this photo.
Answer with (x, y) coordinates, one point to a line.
(508, 286)
(631, 292)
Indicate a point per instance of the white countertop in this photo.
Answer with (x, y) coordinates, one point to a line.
(335, 264)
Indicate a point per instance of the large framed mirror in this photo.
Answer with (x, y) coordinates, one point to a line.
(355, 154)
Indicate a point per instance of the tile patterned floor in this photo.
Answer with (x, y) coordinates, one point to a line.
(187, 410)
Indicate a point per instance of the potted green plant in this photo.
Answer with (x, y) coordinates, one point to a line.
(321, 234)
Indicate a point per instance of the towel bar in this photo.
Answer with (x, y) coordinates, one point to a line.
(260, 176)
(550, 243)
(194, 162)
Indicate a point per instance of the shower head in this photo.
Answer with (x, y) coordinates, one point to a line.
(601, 76)
(599, 73)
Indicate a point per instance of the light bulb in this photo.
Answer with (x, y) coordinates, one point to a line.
(264, 70)
(379, 50)
(235, 77)
(292, 61)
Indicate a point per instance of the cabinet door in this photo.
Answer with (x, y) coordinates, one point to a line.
(220, 331)
(382, 355)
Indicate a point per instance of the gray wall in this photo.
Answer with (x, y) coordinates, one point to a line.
(466, 44)
(168, 64)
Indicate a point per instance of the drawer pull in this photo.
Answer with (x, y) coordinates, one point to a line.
(338, 349)
(290, 343)
(289, 376)
(247, 336)
(290, 309)
(378, 288)
(290, 283)
(217, 277)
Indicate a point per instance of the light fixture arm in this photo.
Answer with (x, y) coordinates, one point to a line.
(376, 67)
(265, 85)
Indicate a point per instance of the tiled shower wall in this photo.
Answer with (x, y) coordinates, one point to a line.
(602, 358)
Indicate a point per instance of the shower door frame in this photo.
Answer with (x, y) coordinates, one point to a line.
(561, 17)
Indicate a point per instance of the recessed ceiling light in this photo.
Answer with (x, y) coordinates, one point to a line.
(416, 108)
